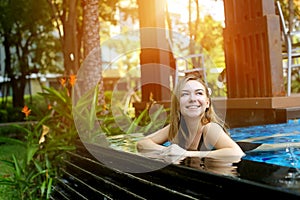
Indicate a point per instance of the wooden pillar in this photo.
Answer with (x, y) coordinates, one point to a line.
(252, 49)
(156, 59)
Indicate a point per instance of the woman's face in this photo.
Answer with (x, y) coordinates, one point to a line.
(193, 99)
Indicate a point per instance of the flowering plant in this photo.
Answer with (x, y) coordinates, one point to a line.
(45, 144)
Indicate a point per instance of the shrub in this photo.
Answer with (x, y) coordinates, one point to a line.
(45, 144)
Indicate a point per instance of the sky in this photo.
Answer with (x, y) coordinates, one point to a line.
(213, 7)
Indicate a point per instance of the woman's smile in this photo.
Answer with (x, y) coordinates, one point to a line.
(193, 106)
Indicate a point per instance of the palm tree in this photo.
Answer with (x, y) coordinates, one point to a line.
(91, 46)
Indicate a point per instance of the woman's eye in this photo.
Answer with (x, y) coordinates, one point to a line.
(184, 94)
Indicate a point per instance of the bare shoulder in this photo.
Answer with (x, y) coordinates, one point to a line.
(212, 126)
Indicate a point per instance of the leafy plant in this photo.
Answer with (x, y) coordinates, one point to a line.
(48, 138)
(32, 174)
(91, 122)
(45, 145)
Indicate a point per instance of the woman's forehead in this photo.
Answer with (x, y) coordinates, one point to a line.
(193, 84)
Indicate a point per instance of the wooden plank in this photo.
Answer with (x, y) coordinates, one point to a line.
(258, 102)
(252, 49)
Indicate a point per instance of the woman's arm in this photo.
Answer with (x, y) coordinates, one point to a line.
(215, 136)
(154, 141)
(218, 153)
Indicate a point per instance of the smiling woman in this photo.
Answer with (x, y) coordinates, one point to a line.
(195, 130)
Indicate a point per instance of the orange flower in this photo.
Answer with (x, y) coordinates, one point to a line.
(72, 80)
(26, 111)
(63, 81)
(49, 107)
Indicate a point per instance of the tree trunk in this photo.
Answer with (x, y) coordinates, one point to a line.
(291, 14)
(71, 56)
(91, 45)
(8, 68)
(69, 35)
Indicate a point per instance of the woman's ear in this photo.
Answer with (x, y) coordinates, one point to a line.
(208, 103)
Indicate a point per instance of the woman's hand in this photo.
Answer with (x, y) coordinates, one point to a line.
(173, 153)
(173, 150)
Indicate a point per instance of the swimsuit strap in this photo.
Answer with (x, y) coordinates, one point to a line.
(201, 145)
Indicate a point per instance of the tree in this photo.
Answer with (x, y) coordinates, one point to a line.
(79, 19)
(68, 16)
(91, 41)
(28, 40)
(65, 15)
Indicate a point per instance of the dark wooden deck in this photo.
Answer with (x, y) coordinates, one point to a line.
(85, 177)
(241, 112)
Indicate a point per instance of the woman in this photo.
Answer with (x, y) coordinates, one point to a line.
(194, 130)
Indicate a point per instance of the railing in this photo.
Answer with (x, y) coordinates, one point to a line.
(193, 63)
(291, 53)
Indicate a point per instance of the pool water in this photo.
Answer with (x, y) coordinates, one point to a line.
(287, 134)
(279, 167)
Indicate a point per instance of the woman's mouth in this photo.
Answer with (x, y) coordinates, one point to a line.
(192, 106)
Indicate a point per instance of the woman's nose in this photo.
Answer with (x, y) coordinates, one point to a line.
(192, 97)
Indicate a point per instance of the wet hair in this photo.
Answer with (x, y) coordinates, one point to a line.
(177, 122)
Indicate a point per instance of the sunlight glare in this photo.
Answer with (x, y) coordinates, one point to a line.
(213, 7)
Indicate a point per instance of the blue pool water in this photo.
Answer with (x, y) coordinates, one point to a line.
(286, 134)
(284, 169)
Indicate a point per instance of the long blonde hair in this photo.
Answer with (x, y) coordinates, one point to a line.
(177, 122)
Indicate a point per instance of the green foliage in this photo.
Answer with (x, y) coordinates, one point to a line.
(30, 173)
(93, 120)
(147, 122)
(48, 138)
(9, 130)
(108, 9)
(45, 145)
(8, 113)
(14, 114)
(6, 152)
(38, 105)
(296, 81)
(29, 47)
(3, 115)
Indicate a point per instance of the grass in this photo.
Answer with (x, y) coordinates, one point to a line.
(6, 152)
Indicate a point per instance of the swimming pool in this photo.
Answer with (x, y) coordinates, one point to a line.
(279, 167)
(286, 134)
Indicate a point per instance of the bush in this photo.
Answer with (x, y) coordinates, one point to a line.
(45, 144)
(12, 132)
